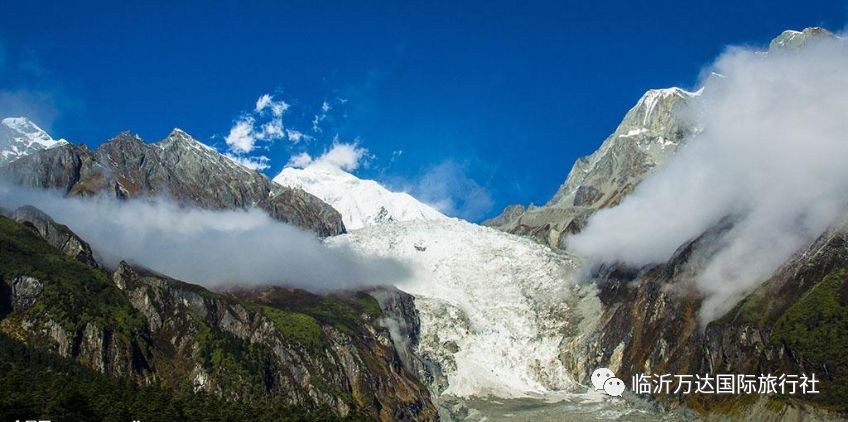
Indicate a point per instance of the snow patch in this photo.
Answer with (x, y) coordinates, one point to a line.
(633, 132)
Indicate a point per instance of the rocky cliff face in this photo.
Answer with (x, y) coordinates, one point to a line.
(271, 345)
(179, 168)
(57, 235)
(794, 323)
(645, 320)
(650, 133)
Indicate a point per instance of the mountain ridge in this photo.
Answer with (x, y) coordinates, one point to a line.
(660, 122)
(178, 168)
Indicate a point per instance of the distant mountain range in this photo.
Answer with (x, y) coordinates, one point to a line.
(178, 167)
(194, 174)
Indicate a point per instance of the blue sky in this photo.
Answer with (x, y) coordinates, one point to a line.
(479, 104)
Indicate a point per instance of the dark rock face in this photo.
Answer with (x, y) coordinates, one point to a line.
(57, 235)
(268, 345)
(404, 325)
(586, 195)
(179, 168)
(649, 134)
(649, 324)
(25, 290)
(297, 207)
(361, 354)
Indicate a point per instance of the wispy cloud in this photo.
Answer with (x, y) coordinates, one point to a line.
(30, 90)
(297, 136)
(242, 138)
(263, 124)
(299, 160)
(448, 187)
(254, 163)
(771, 159)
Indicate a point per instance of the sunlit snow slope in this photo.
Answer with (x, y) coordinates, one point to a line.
(493, 306)
(361, 202)
(19, 136)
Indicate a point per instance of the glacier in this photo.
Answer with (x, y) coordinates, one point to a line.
(494, 307)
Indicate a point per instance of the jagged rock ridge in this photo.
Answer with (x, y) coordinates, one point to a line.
(179, 168)
(650, 133)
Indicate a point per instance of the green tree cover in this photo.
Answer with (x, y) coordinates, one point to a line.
(34, 384)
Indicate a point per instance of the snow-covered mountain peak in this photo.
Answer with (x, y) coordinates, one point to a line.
(361, 202)
(19, 136)
(790, 39)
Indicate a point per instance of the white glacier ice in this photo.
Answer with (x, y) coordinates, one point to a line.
(493, 306)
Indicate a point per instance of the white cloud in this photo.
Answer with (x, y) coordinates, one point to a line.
(238, 247)
(395, 155)
(254, 163)
(262, 102)
(300, 160)
(244, 133)
(266, 101)
(771, 158)
(265, 124)
(297, 136)
(272, 130)
(344, 156)
(242, 138)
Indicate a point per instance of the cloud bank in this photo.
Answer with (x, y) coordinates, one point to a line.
(213, 248)
(771, 156)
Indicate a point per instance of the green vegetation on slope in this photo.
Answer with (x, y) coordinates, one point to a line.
(248, 380)
(344, 312)
(39, 385)
(73, 294)
(815, 329)
(295, 326)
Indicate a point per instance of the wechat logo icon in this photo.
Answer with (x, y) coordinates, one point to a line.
(604, 379)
